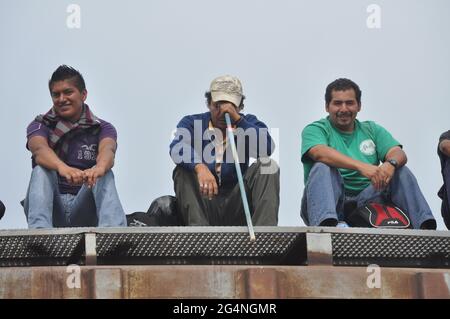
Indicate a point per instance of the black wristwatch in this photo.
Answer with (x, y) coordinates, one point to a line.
(393, 162)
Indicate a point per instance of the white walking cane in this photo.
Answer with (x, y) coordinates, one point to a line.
(239, 176)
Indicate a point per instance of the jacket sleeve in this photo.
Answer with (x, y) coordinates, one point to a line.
(259, 143)
(182, 148)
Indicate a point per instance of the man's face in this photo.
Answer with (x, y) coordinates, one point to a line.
(218, 119)
(343, 109)
(67, 100)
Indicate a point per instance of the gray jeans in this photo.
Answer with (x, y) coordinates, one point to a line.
(226, 209)
(324, 197)
(45, 207)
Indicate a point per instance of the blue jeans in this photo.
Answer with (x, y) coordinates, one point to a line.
(45, 207)
(324, 197)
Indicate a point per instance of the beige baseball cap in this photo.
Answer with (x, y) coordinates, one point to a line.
(226, 88)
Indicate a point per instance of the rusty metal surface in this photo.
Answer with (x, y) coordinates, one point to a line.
(223, 282)
(304, 261)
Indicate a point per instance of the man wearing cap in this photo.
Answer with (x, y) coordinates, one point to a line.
(341, 159)
(205, 179)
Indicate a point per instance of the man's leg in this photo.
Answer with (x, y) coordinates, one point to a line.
(369, 194)
(107, 204)
(42, 204)
(262, 184)
(324, 193)
(83, 211)
(195, 210)
(406, 194)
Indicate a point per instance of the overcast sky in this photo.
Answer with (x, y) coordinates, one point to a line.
(148, 63)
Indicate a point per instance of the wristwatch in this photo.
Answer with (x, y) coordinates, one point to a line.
(393, 162)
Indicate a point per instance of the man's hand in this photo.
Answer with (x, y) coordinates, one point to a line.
(367, 170)
(74, 176)
(92, 174)
(206, 180)
(380, 176)
(230, 109)
(383, 176)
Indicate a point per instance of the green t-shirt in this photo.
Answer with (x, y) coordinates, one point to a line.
(369, 143)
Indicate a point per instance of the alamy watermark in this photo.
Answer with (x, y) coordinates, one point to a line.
(73, 20)
(374, 279)
(250, 142)
(374, 19)
(73, 280)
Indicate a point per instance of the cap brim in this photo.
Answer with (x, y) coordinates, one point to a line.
(220, 96)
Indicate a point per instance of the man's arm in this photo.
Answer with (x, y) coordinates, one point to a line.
(263, 145)
(44, 156)
(334, 158)
(386, 171)
(444, 147)
(184, 142)
(105, 161)
(182, 149)
(398, 155)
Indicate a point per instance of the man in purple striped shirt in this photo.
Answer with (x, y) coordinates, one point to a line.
(73, 151)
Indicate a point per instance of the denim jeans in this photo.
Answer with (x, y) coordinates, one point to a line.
(45, 207)
(324, 197)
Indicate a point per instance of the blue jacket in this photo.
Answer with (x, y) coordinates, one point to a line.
(185, 140)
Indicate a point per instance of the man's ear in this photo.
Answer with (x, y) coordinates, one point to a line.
(84, 95)
(327, 106)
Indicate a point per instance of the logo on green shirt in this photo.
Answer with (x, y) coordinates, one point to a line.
(367, 147)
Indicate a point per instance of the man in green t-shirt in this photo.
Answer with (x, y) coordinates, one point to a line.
(341, 158)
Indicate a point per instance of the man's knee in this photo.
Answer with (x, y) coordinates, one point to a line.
(108, 177)
(185, 182)
(404, 174)
(322, 169)
(264, 170)
(42, 172)
(267, 166)
(106, 182)
(182, 175)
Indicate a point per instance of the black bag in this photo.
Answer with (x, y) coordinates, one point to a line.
(162, 212)
(376, 215)
(140, 219)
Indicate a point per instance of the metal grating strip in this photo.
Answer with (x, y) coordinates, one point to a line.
(183, 248)
(40, 250)
(391, 250)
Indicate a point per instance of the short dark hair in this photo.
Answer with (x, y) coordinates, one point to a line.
(342, 84)
(65, 72)
(209, 99)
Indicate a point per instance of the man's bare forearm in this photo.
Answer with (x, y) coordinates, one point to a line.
(334, 158)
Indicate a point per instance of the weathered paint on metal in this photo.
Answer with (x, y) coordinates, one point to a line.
(223, 282)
